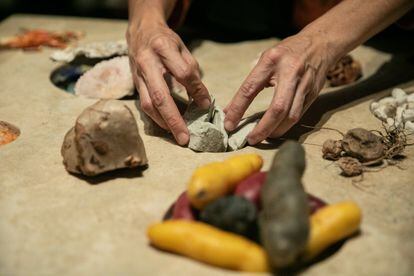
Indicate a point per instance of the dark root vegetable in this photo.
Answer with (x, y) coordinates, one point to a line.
(315, 203)
(363, 145)
(332, 149)
(350, 166)
(182, 208)
(284, 219)
(250, 187)
(232, 213)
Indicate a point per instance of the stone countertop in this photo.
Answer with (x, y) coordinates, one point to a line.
(54, 223)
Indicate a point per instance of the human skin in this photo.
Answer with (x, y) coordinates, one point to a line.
(296, 67)
(155, 50)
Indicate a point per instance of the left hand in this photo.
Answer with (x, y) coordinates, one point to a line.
(296, 68)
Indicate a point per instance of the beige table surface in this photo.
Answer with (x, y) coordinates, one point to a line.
(53, 223)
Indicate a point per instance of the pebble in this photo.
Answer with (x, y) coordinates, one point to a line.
(395, 110)
(399, 95)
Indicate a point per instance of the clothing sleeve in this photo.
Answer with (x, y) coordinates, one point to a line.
(179, 13)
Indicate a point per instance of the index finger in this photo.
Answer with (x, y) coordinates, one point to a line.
(163, 102)
(253, 84)
(278, 109)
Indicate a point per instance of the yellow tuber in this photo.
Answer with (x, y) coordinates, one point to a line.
(208, 244)
(217, 179)
(330, 224)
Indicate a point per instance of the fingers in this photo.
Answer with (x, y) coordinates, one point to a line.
(254, 83)
(152, 73)
(297, 108)
(277, 110)
(185, 71)
(145, 100)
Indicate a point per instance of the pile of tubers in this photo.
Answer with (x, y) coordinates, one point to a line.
(235, 216)
(360, 148)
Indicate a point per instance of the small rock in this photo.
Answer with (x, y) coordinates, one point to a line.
(332, 149)
(408, 115)
(399, 95)
(409, 126)
(350, 166)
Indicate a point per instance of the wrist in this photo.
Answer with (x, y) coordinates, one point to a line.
(328, 45)
(144, 15)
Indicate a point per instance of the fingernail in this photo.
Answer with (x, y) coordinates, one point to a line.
(182, 138)
(228, 125)
(205, 103)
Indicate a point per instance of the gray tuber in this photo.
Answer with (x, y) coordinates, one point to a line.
(207, 133)
(104, 138)
(284, 219)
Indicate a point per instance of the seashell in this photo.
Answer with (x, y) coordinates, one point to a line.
(104, 138)
(92, 50)
(109, 79)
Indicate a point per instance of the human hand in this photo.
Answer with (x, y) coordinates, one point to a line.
(154, 51)
(296, 68)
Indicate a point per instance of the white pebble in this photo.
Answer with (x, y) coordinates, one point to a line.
(408, 115)
(380, 113)
(399, 95)
(390, 122)
(374, 105)
(409, 126)
(410, 98)
(387, 100)
(398, 115)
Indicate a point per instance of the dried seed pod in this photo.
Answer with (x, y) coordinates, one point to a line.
(350, 166)
(363, 145)
(284, 219)
(104, 138)
(332, 149)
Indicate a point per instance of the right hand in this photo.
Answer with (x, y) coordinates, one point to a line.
(155, 50)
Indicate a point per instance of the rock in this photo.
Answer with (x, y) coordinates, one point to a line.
(104, 138)
(206, 137)
(408, 115)
(399, 95)
(409, 126)
(238, 138)
(207, 133)
(109, 79)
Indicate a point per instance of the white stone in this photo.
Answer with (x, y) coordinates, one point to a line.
(409, 126)
(408, 115)
(399, 95)
(410, 98)
(387, 100)
(390, 122)
(374, 105)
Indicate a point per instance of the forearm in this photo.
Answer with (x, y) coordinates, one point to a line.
(352, 22)
(149, 11)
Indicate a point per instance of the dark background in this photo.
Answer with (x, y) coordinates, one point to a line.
(87, 8)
